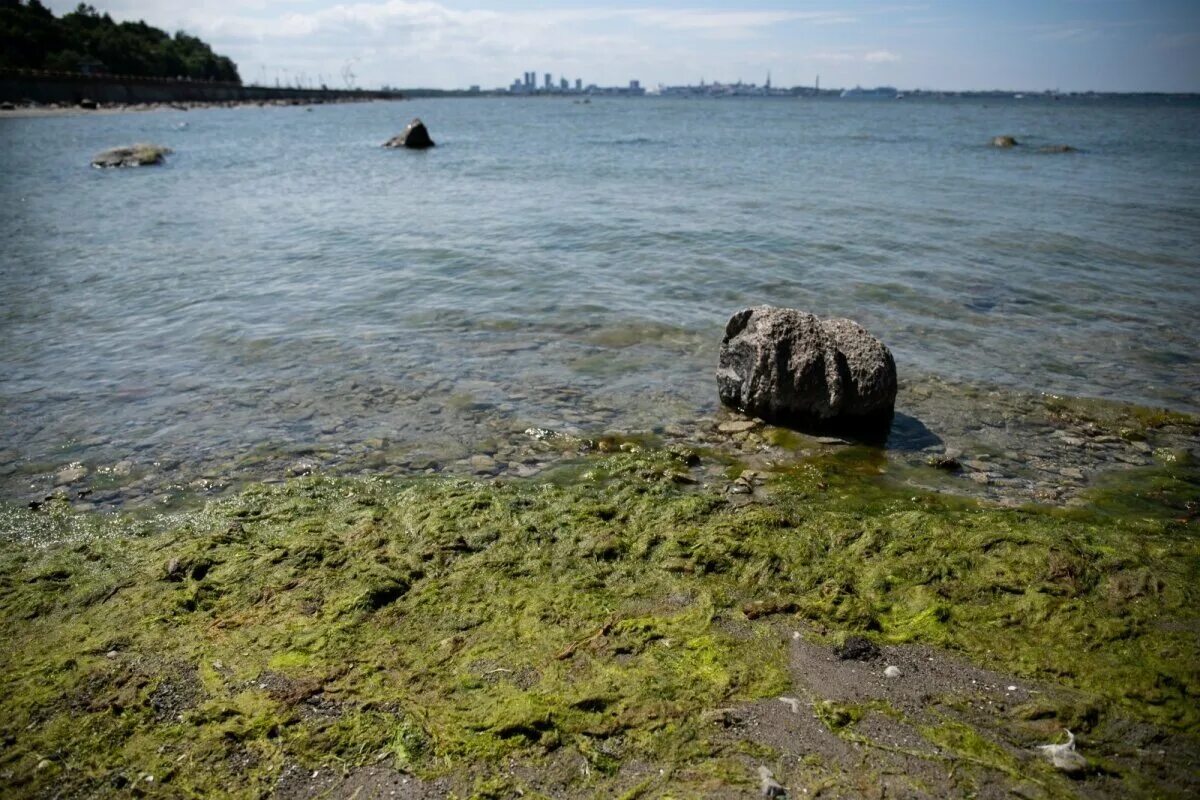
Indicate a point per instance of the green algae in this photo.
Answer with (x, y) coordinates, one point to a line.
(1130, 422)
(442, 625)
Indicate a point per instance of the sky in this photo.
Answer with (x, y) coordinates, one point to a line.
(1069, 45)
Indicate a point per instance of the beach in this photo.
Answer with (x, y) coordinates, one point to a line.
(334, 469)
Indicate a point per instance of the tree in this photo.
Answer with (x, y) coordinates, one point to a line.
(32, 37)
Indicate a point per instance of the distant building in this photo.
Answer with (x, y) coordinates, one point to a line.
(563, 84)
(549, 81)
(579, 84)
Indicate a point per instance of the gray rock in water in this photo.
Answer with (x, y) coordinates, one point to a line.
(134, 155)
(1004, 141)
(1058, 148)
(414, 137)
(789, 367)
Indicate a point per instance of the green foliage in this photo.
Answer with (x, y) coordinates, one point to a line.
(31, 37)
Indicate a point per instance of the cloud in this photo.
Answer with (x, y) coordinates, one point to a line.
(855, 57)
(880, 57)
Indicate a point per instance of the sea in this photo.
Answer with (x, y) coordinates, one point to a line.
(285, 288)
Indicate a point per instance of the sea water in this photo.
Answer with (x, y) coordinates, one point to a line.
(283, 282)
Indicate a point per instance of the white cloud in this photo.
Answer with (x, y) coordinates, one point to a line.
(855, 57)
(880, 57)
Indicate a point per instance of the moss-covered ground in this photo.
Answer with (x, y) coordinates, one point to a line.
(451, 629)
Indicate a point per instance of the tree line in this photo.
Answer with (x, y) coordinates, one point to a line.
(85, 40)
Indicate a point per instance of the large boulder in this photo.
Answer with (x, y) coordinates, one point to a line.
(415, 137)
(791, 368)
(134, 155)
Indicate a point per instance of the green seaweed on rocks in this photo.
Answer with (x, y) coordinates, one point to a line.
(446, 627)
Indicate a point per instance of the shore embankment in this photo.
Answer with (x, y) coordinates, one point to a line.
(38, 91)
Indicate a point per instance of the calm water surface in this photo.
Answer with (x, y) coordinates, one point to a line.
(285, 282)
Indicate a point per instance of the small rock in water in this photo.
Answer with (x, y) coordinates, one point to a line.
(1064, 756)
(70, 474)
(769, 786)
(482, 464)
(1004, 141)
(134, 155)
(892, 672)
(945, 462)
(415, 137)
(738, 426)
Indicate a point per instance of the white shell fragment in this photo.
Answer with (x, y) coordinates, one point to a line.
(1064, 756)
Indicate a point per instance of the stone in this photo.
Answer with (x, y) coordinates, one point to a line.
(1058, 148)
(857, 648)
(789, 367)
(482, 464)
(1004, 141)
(739, 425)
(892, 672)
(134, 155)
(88, 103)
(945, 462)
(70, 474)
(769, 787)
(415, 137)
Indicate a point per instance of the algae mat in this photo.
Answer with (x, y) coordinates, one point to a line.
(615, 632)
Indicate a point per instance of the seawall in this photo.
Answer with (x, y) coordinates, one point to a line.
(23, 86)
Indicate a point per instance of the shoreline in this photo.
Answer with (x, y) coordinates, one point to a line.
(962, 439)
(619, 625)
(55, 110)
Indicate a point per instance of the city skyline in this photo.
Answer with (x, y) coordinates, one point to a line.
(1071, 45)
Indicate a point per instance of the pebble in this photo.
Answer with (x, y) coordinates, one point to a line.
(70, 474)
(738, 425)
(482, 464)
(892, 672)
